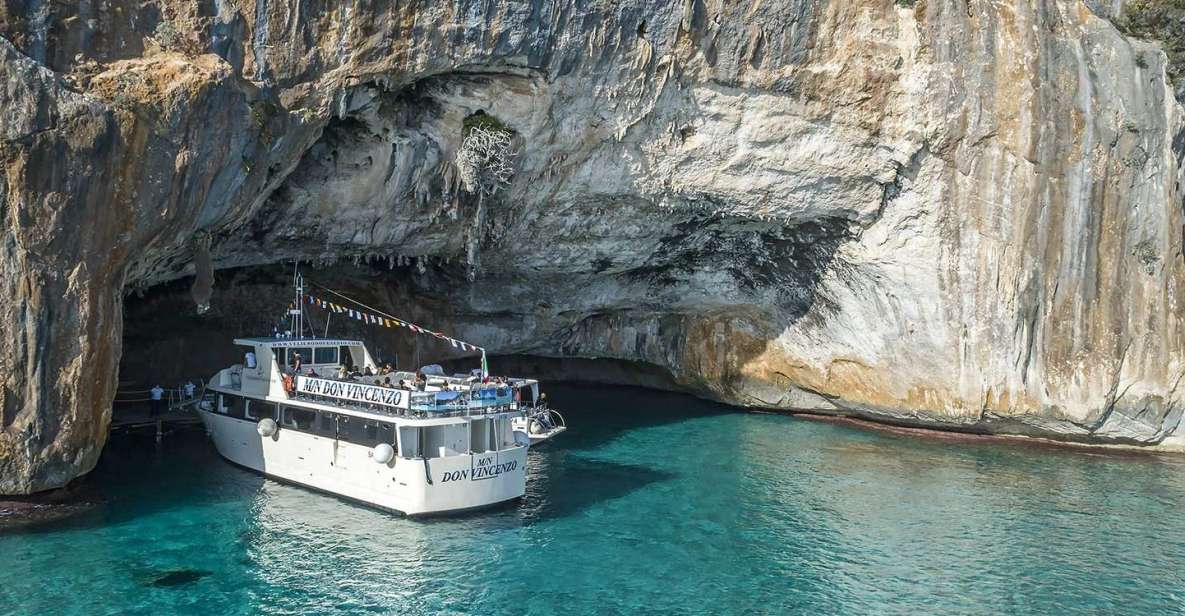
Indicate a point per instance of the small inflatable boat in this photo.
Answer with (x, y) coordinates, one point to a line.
(539, 424)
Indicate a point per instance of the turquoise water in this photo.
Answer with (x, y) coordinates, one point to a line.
(651, 503)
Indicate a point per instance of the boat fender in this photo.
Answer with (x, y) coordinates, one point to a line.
(536, 427)
(266, 427)
(383, 453)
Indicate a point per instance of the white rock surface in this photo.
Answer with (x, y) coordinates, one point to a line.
(962, 215)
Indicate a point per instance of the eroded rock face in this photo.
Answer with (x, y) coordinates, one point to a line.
(948, 214)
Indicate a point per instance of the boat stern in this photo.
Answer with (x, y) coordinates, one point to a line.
(463, 482)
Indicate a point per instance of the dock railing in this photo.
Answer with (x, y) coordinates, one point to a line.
(175, 397)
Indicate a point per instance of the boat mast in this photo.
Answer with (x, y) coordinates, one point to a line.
(298, 311)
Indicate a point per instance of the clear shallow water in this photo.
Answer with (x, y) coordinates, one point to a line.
(651, 503)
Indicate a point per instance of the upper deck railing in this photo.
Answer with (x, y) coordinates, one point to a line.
(365, 396)
(416, 411)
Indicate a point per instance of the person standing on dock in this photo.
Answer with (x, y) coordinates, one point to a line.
(156, 394)
(189, 388)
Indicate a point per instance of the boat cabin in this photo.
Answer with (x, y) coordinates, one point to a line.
(268, 359)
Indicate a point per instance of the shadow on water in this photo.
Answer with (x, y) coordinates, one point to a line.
(177, 577)
(550, 495)
(598, 414)
(137, 477)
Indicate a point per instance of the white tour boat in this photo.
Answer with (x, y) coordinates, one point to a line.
(437, 444)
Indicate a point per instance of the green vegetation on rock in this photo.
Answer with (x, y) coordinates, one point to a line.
(1164, 21)
(481, 119)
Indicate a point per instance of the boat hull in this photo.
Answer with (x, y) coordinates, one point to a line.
(543, 437)
(410, 486)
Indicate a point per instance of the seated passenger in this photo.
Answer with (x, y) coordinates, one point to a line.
(402, 384)
(341, 372)
(368, 372)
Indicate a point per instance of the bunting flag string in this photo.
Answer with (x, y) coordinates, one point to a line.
(389, 322)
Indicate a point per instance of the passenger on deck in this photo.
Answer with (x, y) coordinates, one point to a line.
(369, 372)
(154, 402)
(312, 372)
(387, 368)
(387, 382)
(296, 363)
(402, 384)
(342, 373)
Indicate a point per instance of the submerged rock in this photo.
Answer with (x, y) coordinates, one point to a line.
(937, 214)
(178, 577)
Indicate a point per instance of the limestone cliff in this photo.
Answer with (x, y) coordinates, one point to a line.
(952, 213)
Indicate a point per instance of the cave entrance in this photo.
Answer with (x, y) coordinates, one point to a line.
(165, 340)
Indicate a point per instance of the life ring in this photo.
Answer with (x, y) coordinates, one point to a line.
(289, 385)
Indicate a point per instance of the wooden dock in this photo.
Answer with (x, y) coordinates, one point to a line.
(179, 413)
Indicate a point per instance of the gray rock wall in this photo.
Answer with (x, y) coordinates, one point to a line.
(956, 214)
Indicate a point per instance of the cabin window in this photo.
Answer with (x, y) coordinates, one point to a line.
(409, 442)
(481, 436)
(326, 425)
(366, 432)
(231, 406)
(257, 410)
(325, 355)
(442, 441)
(299, 419)
(306, 355)
(386, 433)
(505, 433)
